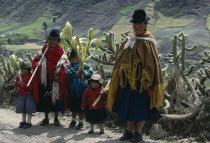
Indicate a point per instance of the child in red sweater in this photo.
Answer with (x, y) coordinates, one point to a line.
(25, 103)
(94, 102)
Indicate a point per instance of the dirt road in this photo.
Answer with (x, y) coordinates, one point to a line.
(10, 133)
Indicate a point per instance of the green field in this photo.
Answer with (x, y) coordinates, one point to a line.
(127, 9)
(164, 22)
(208, 22)
(6, 26)
(32, 29)
(26, 46)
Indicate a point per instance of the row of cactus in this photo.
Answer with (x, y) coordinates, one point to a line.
(178, 74)
(186, 95)
(109, 47)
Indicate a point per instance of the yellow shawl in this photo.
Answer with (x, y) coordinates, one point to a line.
(142, 57)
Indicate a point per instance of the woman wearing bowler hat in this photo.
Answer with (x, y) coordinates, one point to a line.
(47, 81)
(136, 89)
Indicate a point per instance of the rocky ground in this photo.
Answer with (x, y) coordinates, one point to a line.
(10, 133)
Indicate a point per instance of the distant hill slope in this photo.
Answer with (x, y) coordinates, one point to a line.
(167, 18)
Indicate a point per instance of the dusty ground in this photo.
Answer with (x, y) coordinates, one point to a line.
(10, 133)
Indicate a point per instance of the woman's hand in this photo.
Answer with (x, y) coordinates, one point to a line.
(38, 64)
(147, 85)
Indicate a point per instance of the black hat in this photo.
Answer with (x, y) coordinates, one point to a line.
(73, 53)
(139, 16)
(54, 34)
(25, 65)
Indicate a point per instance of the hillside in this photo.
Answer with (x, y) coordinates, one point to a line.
(167, 18)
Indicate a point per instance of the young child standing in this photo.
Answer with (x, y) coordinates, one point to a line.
(77, 86)
(94, 102)
(25, 103)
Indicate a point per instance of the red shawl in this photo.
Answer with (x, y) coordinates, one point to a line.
(52, 56)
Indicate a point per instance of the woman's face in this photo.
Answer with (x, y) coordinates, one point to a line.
(52, 42)
(94, 84)
(139, 28)
(74, 60)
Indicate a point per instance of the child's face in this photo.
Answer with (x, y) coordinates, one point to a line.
(24, 71)
(95, 84)
(74, 60)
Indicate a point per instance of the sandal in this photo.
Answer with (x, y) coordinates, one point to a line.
(44, 122)
(56, 122)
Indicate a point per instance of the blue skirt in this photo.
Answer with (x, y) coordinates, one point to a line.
(26, 104)
(135, 106)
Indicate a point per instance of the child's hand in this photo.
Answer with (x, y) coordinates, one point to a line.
(20, 82)
(79, 73)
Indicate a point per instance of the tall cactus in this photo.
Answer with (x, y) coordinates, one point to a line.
(109, 48)
(178, 58)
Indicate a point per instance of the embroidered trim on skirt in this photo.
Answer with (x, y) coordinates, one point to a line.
(96, 116)
(26, 104)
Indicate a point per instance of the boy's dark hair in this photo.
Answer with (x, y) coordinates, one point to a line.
(73, 53)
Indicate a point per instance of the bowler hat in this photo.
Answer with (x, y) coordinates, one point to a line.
(139, 16)
(54, 34)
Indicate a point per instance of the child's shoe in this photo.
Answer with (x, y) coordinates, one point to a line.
(72, 124)
(22, 124)
(79, 126)
(27, 125)
(101, 131)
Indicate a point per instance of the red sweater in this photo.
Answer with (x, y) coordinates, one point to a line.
(24, 89)
(90, 95)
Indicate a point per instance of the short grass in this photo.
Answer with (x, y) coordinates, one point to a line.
(26, 46)
(208, 22)
(151, 4)
(7, 26)
(127, 9)
(32, 29)
(164, 22)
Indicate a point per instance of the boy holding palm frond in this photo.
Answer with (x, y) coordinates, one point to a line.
(77, 84)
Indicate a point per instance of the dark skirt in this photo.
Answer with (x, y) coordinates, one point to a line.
(76, 90)
(75, 103)
(96, 116)
(45, 100)
(26, 104)
(135, 106)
